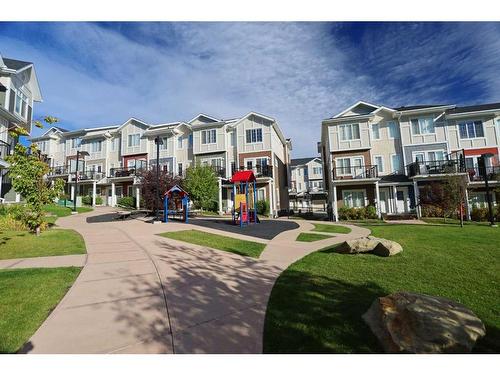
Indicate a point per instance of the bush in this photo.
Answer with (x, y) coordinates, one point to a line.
(263, 207)
(351, 213)
(479, 214)
(98, 200)
(87, 200)
(126, 202)
(429, 210)
(7, 222)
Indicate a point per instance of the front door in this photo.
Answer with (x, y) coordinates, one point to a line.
(402, 199)
(384, 201)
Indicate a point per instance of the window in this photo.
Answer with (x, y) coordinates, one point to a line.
(422, 126)
(76, 142)
(436, 156)
(233, 138)
(96, 146)
(353, 198)
(130, 191)
(471, 129)
(114, 144)
(261, 194)
(349, 132)
(254, 135)
(317, 170)
(299, 171)
(348, 166)
(190, 140)
(179, 169)
(21, 104)
(179, 142)
(379, 162)
(208, 136)
(42, 146)
(393, 131)
(396, 164)
(164, 144)
(134, 140)
(376, 131)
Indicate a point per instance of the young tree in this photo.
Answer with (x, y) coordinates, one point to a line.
(202, 185)
(149, 187)
(27, 171)
(453, 198)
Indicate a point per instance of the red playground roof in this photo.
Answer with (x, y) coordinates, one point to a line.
(176, 190)
(243, 176)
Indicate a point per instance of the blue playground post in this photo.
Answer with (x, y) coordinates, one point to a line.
(165, 209)
(254, 203)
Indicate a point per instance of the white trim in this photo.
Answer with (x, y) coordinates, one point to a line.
(383, 164)
(486, 111)
(365, 197)
(419, 126)
(392, 163)
(204, 115)
(371, 133)
(457, 124)
(374, 106)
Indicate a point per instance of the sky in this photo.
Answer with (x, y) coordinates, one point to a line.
(97, 74)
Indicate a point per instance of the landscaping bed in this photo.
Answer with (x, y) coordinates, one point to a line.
(317, 303)
(28, 296)
(215, 241)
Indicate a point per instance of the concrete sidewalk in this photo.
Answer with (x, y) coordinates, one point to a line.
(77, 260)
(143, 293)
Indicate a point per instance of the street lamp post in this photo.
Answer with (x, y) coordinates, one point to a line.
(158, 142)
(484, 173)
(78, 153)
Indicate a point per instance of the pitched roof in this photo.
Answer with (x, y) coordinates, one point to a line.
(15, 64)
(301, 161)
(474, 108)
(421, 106)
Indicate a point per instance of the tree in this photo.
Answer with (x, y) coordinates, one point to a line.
(202, 185)
(27, 171)
(149, 184)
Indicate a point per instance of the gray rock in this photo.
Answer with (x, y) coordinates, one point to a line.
(387, 248)
(407, 322)
(370, 244)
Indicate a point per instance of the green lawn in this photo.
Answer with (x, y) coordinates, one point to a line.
(61, 211)
(22, 244)
(311, 237)
(448, 221)
(28, 296)
(317, 303)
(330, 228)
(215, 241)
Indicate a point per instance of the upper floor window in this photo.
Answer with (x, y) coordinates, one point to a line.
(76, 142)
(232, 135)
(208, 136)
(21, 104)
(471, 129)
(96, 146)
(349, 132)
(317, 170)
(179, 141)
(379, 162)
(424, 125)
(299, 170)
(393, 131)
(376, 131)
(396, 164)
(114, 144)
(164, 144)
(134, 140)
(42, 146)
(190, 140)
(254, 135)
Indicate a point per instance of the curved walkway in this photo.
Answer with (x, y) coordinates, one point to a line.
(142, 293)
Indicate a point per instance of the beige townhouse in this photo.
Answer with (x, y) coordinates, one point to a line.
(19, 90)
(306, 192)
(111, 158)
(381, 156)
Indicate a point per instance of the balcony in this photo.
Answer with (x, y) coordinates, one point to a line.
(4, 149)
(58, 171)
(435, 167)
(90, 175)
(127, 171)
(475, 175)
(258, 170)
(355, 173)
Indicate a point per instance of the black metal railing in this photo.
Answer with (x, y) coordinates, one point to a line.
(219, 171)
(126, 171)
(493, 173)
(57, 171)
(435, 167)
(259, 170)
(4, 149)
(90, 175)
(355, 172)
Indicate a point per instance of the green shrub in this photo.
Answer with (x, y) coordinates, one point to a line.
(371, 212)
(429, 210)
(87, 200)
(126, 202)
(361, 213)
(479, 214)
(263, 207)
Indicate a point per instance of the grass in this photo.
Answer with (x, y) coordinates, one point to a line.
(311, 237)
(215, 241)
(449, 221)
(61, 211)
(317, 303)
(331, 228)
(22, 244)
(28, 296)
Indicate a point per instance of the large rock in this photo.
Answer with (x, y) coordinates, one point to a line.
(360, 245)
(416, 323)
(387, 248)
(378, 246)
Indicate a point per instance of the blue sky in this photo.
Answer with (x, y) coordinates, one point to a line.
(96, 74)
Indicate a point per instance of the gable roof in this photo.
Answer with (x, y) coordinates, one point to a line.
(420, 106)
(302, 161)
(15, 64)
(474, 108)
(243, 176)
(202, 115)
(359, 103)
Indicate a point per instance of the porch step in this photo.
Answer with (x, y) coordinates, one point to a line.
(405, 216)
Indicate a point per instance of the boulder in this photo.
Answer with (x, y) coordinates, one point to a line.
(359, 245)
(370, 244)
(387, 248)
(407, 322)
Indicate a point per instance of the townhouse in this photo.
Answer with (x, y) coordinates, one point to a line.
(19, 89)
(381, 156)
(112, 158)
(306, 191)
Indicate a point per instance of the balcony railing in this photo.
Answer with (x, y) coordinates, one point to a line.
(358, 172)
(90, 175)
(126, 171)
(4, 149)
(57, 171)
(493, 174)
(259, 170)
(435, 167)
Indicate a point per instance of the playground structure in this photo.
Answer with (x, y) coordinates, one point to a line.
(176, 204)
(244, 196)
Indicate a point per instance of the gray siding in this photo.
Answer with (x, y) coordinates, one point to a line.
(409, 150)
